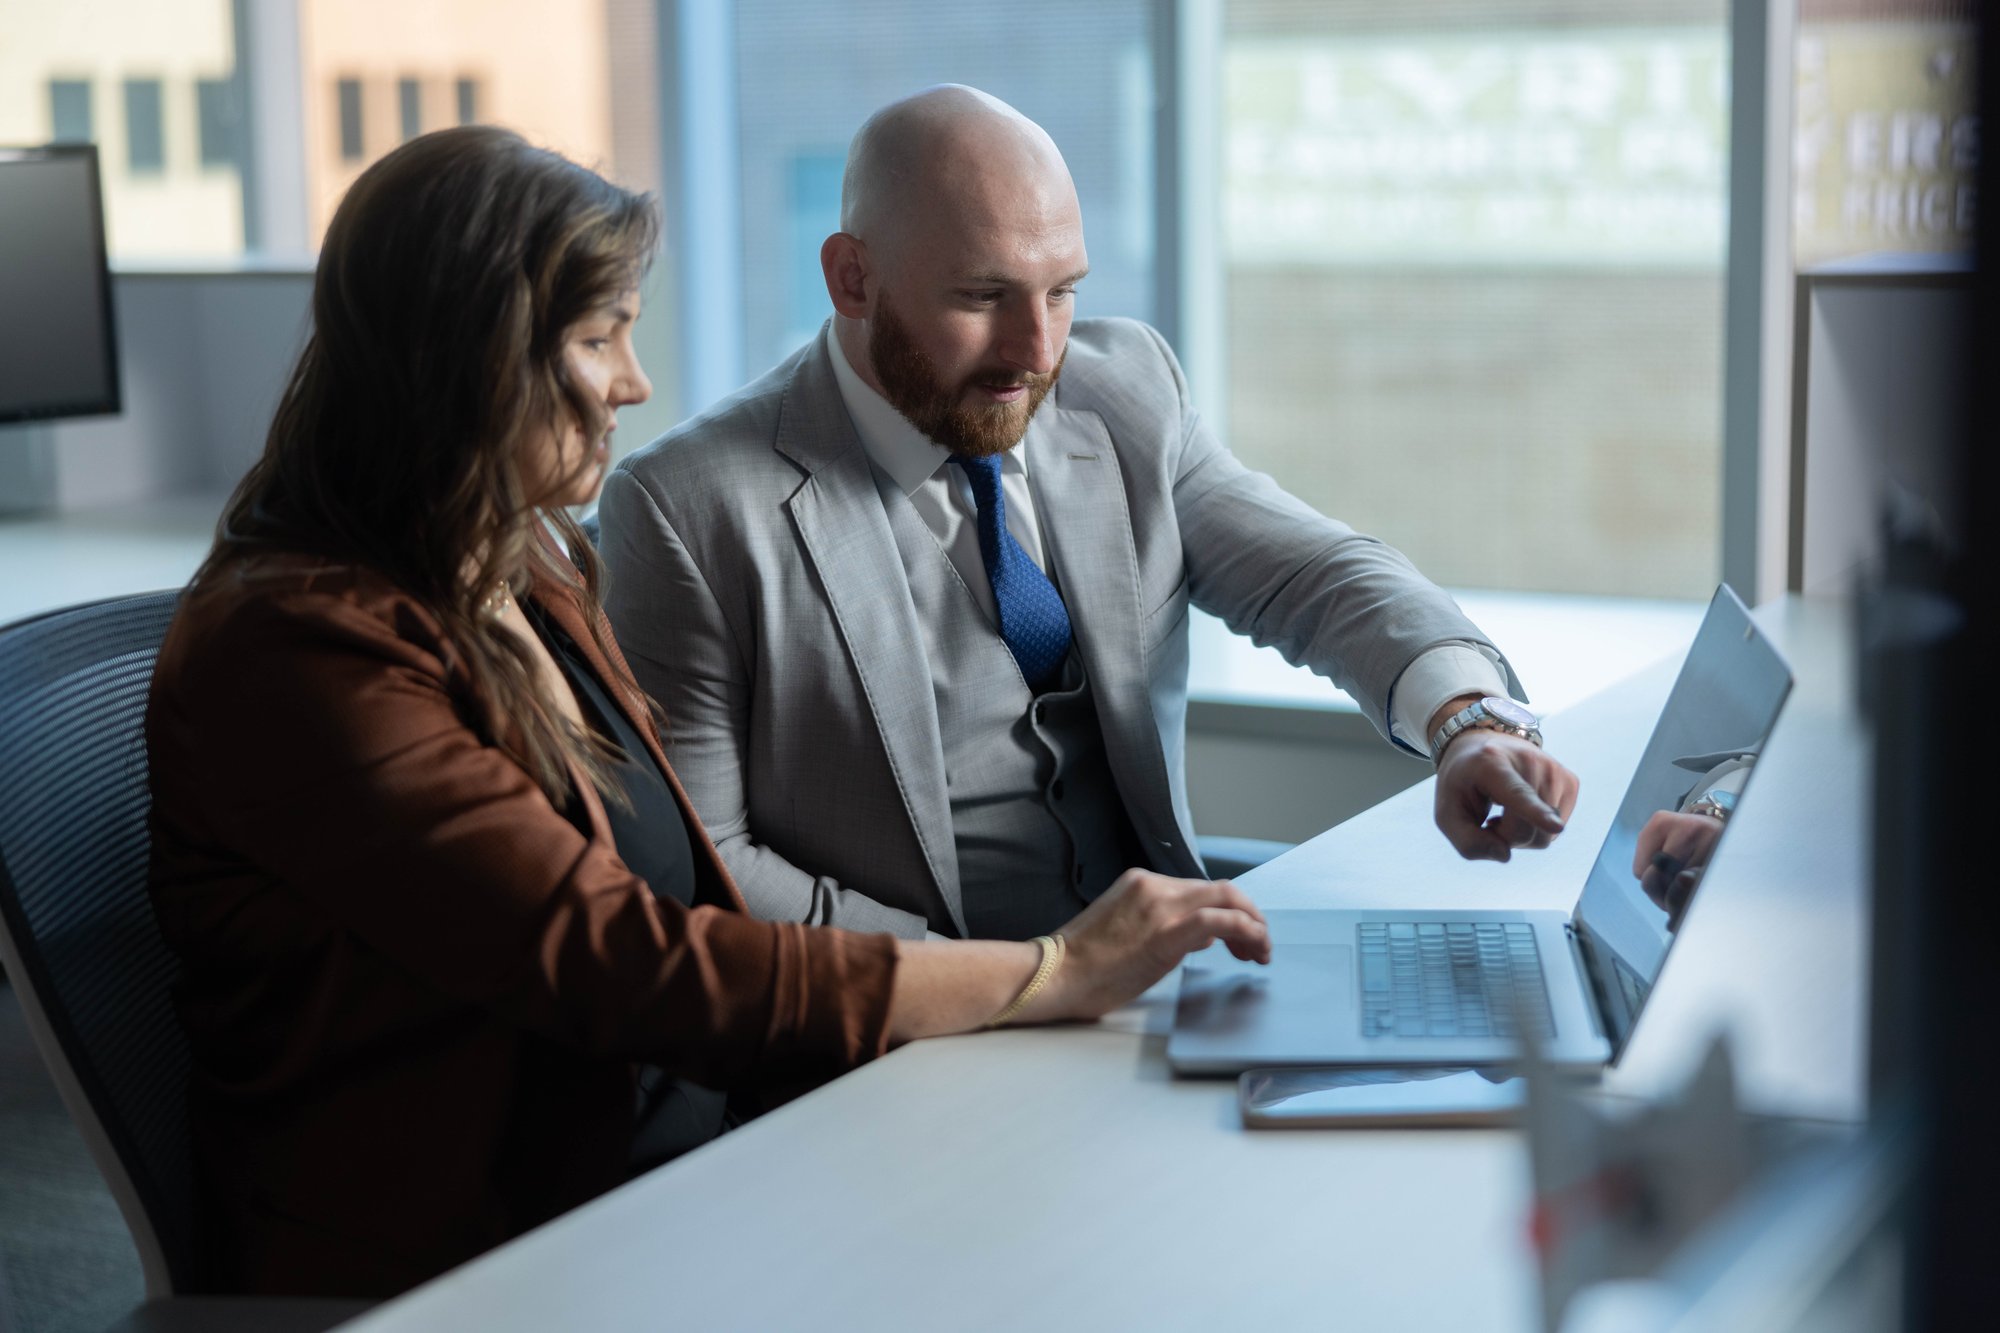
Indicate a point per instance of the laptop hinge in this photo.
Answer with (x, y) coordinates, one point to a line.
(1594, 1000)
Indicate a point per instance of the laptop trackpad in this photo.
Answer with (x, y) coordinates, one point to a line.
(1222, 997)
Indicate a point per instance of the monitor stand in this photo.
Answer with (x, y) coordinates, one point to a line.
(27, 469)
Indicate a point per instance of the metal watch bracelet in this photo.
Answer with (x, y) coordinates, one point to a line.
(1488, 714)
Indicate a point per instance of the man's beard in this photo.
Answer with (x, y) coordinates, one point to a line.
(911, 383)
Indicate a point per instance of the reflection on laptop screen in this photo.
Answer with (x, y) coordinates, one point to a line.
(1693, 773)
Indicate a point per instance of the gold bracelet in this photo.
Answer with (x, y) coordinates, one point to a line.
(1053, 949)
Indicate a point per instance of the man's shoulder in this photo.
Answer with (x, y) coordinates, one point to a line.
(1115, 336)
(1119, 355)
(1120, 368)
(725, 445)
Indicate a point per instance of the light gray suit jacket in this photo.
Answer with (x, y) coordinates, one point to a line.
(755, 585)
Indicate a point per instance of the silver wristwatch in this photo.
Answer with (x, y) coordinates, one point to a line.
(1489, 714)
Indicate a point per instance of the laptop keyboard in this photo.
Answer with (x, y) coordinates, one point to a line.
(1450, 979)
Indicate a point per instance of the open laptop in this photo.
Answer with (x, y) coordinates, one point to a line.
(1396, 986)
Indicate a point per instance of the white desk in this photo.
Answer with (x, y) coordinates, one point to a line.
(1060, 1179)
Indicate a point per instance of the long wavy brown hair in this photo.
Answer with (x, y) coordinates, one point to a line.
(449, 277)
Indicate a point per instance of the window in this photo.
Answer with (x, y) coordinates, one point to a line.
(216, 121)
(410, 107)
(566, 76)
(69, 111)
(145, 136)
(353, 144)
(1084, 72)
(166, 194)
(1473, 262)
(812, 213)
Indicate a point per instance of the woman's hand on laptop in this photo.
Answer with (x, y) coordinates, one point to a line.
(1481, 769)
(1136, 932)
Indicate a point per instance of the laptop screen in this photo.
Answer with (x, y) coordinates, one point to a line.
(1686, 789)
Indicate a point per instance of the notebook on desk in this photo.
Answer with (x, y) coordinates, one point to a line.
(1414, 987)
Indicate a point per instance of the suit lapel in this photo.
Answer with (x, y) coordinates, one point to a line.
(841, 521)
(1087, 526)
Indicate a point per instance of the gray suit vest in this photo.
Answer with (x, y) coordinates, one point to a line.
(1036, 819)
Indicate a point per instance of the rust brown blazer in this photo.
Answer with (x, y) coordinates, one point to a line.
(414, 991)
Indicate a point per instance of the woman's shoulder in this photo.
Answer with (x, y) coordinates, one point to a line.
(261, 604)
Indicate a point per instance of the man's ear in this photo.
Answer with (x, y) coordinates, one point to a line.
(843, 258)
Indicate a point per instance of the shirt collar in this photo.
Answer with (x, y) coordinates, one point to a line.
(893, 444)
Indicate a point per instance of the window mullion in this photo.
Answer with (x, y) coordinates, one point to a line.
(268, 86)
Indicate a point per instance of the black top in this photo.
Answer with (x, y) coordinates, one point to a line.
(651, 836)
(670, 1115)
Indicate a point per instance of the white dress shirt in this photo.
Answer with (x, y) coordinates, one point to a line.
(941, 493)
(943, 496)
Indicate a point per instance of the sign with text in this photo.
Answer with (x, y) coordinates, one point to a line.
(1886, 139)
(1592, 148)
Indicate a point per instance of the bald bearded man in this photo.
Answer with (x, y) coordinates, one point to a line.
(916, 601)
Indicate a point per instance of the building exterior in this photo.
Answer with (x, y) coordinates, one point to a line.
(376, 72)
(149, 81)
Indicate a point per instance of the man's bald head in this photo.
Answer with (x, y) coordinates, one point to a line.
(954, 273)
(950, 157)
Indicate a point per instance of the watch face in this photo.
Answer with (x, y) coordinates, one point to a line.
(1506, 710)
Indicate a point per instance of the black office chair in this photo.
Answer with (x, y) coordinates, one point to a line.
(76, 931)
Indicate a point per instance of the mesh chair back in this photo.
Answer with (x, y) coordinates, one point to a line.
(83, 947)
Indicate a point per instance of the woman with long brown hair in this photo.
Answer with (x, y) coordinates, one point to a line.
(457, 954)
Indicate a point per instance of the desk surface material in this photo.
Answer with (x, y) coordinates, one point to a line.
(1060, 1178)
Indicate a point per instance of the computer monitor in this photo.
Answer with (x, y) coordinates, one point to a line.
(58, 344)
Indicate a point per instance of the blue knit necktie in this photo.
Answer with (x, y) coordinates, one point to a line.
(1033, 621)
